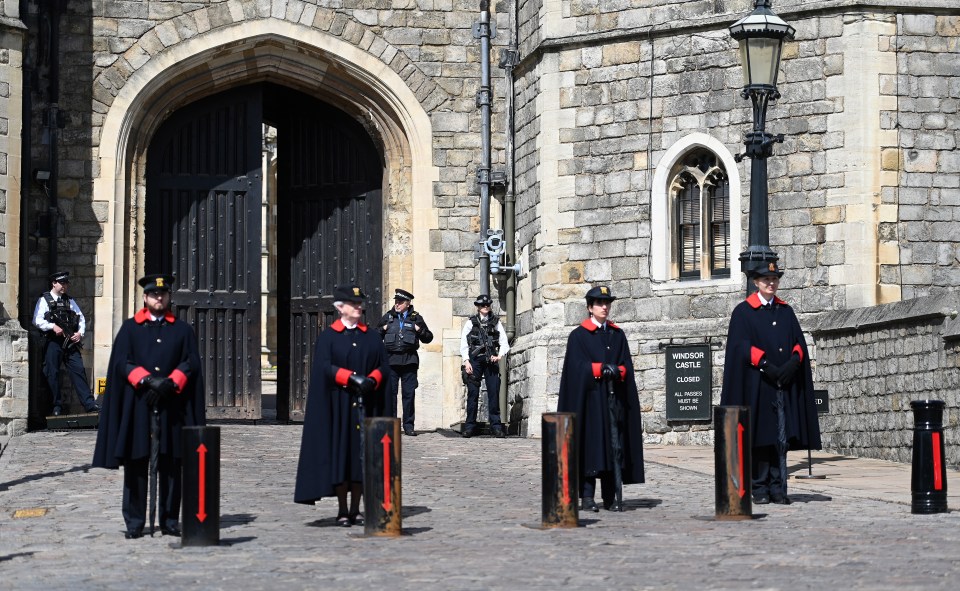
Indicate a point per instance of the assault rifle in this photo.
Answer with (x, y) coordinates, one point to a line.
(69, 323)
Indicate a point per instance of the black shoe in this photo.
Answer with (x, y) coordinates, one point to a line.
(343, 520)
(56, 413)
(356, 519)
(94, 408)
(781, 499)
(170, 531)
(133, 535)
(498, 432)
(613, 506)
(466, 433)
(589, 505)
(761, 499)
(410, 432)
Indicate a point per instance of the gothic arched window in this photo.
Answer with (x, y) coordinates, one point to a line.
(700, 217)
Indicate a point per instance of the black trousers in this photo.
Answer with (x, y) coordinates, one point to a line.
(489, 373)
(404, 376)
(608, 486)
(767, 479)
(72, 360)
(136, 482)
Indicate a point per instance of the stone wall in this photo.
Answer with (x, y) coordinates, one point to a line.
(926, 88)
(13, 339)
(863, 190)
(874, 361)
(634, 80)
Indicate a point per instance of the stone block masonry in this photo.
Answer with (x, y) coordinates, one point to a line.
(874, 361)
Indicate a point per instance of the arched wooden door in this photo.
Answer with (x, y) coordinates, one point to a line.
(329, 227)
(203, 225)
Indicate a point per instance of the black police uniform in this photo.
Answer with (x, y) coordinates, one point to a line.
(402, 338)
(147, 348)
(65, 313)
(482, 342)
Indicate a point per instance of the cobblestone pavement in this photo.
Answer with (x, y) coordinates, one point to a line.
(468, 505)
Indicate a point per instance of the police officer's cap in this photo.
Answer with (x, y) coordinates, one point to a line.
(60, 277)
(600, 292)
(157, 282)
(349, 293)
(402, 294)
(765, 268)
(483, 300)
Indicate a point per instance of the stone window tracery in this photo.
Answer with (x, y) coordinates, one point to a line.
(699, 209)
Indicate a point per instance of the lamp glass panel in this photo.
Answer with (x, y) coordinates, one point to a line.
(763, 56)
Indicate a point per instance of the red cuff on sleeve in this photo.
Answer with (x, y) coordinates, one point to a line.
(798, 351)
(376, 376)
(343, 376)
(179, 378)
(623, 372)
(755, 356)
(137, 375)
(596, 369)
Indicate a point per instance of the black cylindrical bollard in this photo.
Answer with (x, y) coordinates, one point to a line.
(732, 456)
(928, 484)
(381, 477)
(200, 525)
(560, 470)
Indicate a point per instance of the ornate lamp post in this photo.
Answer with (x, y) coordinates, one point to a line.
(761, 35)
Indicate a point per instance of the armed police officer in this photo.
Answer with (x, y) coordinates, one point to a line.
(59, 317)
(403, 329)
(483, 342)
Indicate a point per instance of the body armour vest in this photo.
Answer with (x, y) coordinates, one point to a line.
(483, 339)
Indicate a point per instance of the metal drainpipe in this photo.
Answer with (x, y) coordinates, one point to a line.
(483, 172)
(507, 62)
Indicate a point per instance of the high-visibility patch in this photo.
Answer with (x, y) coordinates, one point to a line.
(32, 512)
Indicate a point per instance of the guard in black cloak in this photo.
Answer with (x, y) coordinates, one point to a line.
(154, 364)
(766, 365)
(346, 376)
(597, 358)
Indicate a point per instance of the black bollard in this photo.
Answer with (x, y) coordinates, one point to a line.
(381, 477)
(560, 470)
(200, 525)
(929, 477)
(732, 458)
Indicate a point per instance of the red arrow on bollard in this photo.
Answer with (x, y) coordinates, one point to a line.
(386, 472)
(564, 459)
(742, 490)
(202, 485)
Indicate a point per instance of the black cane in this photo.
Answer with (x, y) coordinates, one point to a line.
(361, 415)
(154, 454)
(781, 437)
(616, 445)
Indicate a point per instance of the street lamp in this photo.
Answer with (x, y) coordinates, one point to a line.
(761, 35)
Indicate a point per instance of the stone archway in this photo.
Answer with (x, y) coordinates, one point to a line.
(305, 59)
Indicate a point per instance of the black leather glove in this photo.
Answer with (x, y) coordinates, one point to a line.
(167, 388)
(609, 370)
(361, 385)
(771, 370)
(368, 385)
(789, 369)
(150, 389)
